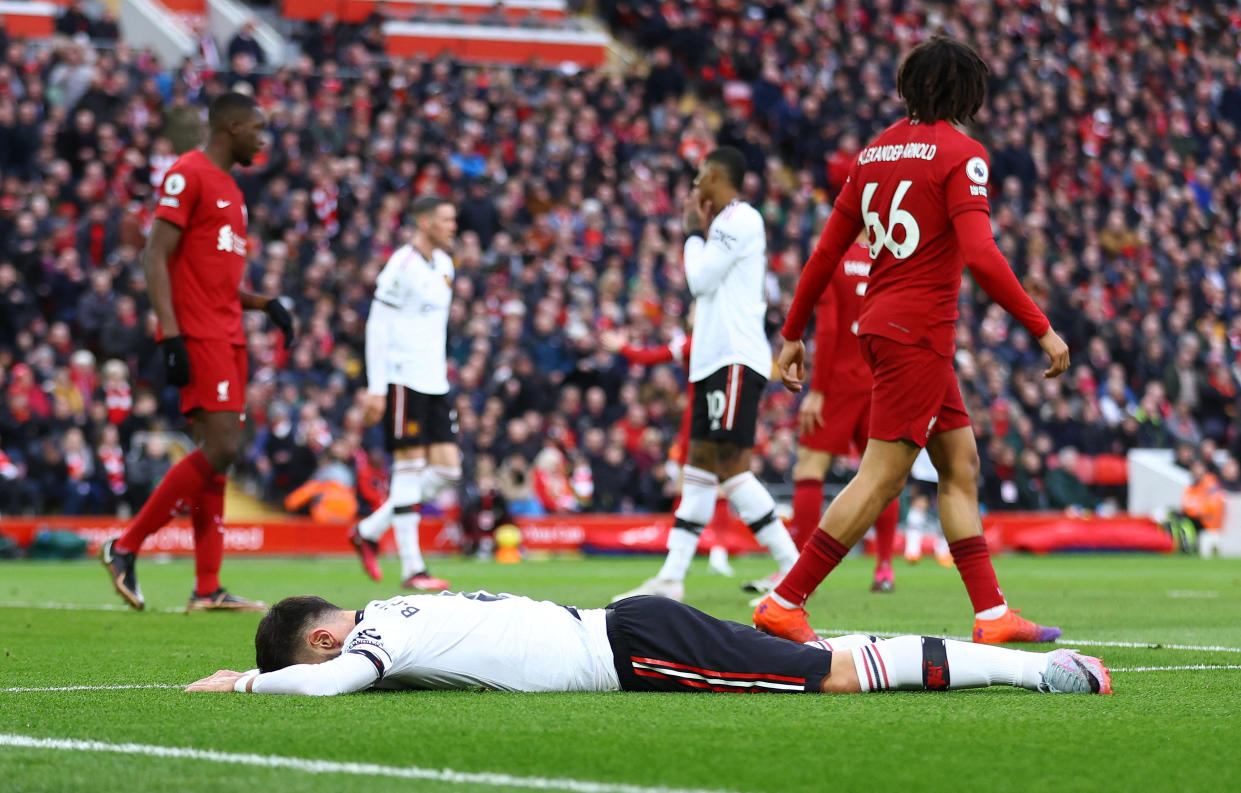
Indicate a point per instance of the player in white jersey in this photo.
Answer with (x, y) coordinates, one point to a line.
(729, 362)
(306, 645)
(407, 385)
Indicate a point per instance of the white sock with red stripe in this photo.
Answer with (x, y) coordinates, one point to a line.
(839, 644)
(757, 509)
(407, 494)
(698, 489)
(915, 663)
(438, 478)
(403, 491)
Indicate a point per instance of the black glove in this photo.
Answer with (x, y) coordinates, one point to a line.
(176, 360)
(282, 319)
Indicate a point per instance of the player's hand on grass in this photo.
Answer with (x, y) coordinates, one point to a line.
(281, 318)
(223, 680)
(373, 406)
(810, 413)
(791, 364)
(176, 360)
(1057, 351)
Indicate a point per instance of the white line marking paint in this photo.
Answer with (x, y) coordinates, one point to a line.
(830, 632)
(1190, 668)
(119, 687)
(83, 607)
(312, 766)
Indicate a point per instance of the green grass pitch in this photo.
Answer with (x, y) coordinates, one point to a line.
(1171, 729)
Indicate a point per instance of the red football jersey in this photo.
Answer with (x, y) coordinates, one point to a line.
(905, 188)
(838, 363)
(206, 268)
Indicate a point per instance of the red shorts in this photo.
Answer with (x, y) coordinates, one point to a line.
(218, 374)
(846, 425)
(916, 394)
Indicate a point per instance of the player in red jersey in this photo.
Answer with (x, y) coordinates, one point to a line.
(920, 191)
(194, 260)
(834, 416)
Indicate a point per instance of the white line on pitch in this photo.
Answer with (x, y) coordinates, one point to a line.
(829, 632)
(120, 687)
(311, 766)
(1189, 668)
(82, 607)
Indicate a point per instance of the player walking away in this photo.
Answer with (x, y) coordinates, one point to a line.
(194, 261)
(920, 190)
(918, 518)
(306, 645)
(407, 386)
(834, 416)
(677, 351)
(729, 361)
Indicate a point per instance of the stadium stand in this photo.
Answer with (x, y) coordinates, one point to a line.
(1113, 132)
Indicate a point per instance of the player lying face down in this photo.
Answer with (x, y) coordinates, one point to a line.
(306, 645)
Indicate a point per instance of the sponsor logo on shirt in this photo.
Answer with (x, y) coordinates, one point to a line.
(898, 151)
(222, 204)
(169, 201)
(723, 238)
(857, 268)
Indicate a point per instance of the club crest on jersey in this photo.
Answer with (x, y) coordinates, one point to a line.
(228, 241)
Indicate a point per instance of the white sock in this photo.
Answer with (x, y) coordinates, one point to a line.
(915, 663)
(373, 526)
(754, 505)
(408, 546)
(402, 491)
(698, 489)
(840, 644)
(438, 478)
(682, 544)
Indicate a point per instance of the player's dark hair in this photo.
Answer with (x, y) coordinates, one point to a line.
(280, 635)
(225, 107)
(732, 161)
(942, 80)
(426, 204)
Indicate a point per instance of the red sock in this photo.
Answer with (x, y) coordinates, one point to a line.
(885, 533)
(208, 515)
(820, 557)
(180, 485)
(974, 564)
(807, 509)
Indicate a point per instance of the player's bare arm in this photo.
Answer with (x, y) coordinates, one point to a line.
(162, 241)
(274, 309)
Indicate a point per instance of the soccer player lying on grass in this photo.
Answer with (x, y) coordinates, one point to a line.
(306, 645)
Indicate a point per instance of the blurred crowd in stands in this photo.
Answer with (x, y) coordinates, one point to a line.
(1113, 129)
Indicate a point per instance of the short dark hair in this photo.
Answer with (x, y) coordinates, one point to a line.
(942, 79)
(225, 107)
(426, 204)
(278, 640)
(732, 161)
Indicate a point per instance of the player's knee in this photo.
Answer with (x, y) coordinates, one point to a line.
(222, 450)
(810, 464)
(959, 471)
(843, 677)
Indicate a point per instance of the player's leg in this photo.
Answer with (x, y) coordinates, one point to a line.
(885, 539)
(955, 457)
(434, 428)
(699, 486)
(756, 508)
(215, 384)
(217, 434)
(928, 663)
(880, 477)
(808, 474)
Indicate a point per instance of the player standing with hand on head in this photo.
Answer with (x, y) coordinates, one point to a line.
(920, 191)
(729, 361)
(834, 416)
(407, 385)
(194, 260)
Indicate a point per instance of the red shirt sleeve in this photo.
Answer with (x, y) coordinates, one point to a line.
(647, 356)
(838, 235)
(992, 272)
(824, 341)
(178, 196)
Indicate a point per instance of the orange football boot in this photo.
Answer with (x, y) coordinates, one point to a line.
(793, 624)
(1012, 628)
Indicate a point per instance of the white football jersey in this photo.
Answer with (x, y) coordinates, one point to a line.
(407, 330)
(503, 642)
(726, 274)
